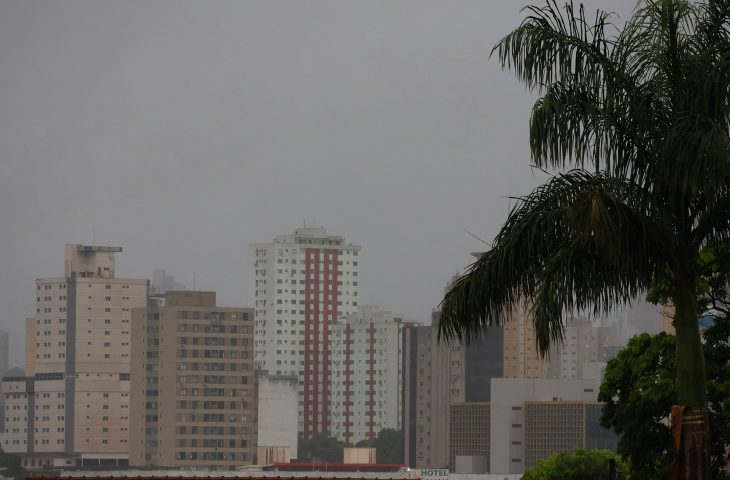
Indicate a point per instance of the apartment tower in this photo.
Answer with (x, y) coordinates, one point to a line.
(366, 380)
(72, 408)
(584, 343)
(521, 357)
(437, 376)
(301, 284)
(194, 403)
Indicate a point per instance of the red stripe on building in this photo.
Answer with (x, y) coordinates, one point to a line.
(335, 286)
(316, 345)
(348, 391)
(326, 321)
(307, 342)
(334, 270)
(371, 390)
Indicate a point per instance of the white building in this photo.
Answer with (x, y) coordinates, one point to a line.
(277, 412)
(367, 374)
(300, 284)
(510, 398)
(72, 408)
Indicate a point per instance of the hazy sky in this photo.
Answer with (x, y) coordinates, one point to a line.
(182, 131)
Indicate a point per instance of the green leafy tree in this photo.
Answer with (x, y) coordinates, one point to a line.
(579, 465)
(640, 116)
(321, 447)
(10, 466)
(639, 388)
(388, 445)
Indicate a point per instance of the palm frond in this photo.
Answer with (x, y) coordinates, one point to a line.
(581, 241)
(550, 46)
(712, 221)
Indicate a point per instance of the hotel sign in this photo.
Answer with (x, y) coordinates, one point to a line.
(430, 473)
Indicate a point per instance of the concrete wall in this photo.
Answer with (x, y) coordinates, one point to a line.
(507, 414)
(277, 411)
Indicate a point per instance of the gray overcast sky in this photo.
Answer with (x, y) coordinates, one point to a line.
(185, 130)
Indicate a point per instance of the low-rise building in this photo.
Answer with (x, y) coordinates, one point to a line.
(533, 418)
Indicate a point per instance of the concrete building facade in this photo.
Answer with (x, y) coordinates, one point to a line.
(521, 357)
(277, 418)
(72, 407)
(367, 374)
(527, 415)
(438, 375)
(469, 431)
(301, 284)
(417, 345)
(194, 395)
(563, 426)
(583, 343)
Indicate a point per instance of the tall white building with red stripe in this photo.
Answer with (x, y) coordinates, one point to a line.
(300, 284)
(367, 366)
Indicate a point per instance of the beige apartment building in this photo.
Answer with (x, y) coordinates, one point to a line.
(521, 357)
(193, 387)
(72, 407)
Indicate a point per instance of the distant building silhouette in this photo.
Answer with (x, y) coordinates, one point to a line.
(162, 282)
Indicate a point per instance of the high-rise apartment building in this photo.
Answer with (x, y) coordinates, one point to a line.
(72, 408)
(521, 357)
(366, 367)
(194, 401)
(583, 343)
(438, 375)
(417, 358)
(301, 284)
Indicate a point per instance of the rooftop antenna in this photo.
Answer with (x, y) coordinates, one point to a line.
(93, 236)
(194, 282)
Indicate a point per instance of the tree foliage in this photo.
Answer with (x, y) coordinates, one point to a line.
(639, 116)
(321, 447)
(638, 121)
(388, 445)
(10, 466)
(579, 465)
(639, 388)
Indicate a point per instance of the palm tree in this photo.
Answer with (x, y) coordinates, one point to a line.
(634, 123)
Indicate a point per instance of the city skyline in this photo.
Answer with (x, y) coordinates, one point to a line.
(385, 123)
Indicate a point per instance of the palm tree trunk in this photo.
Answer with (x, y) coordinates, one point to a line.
(689, 419)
